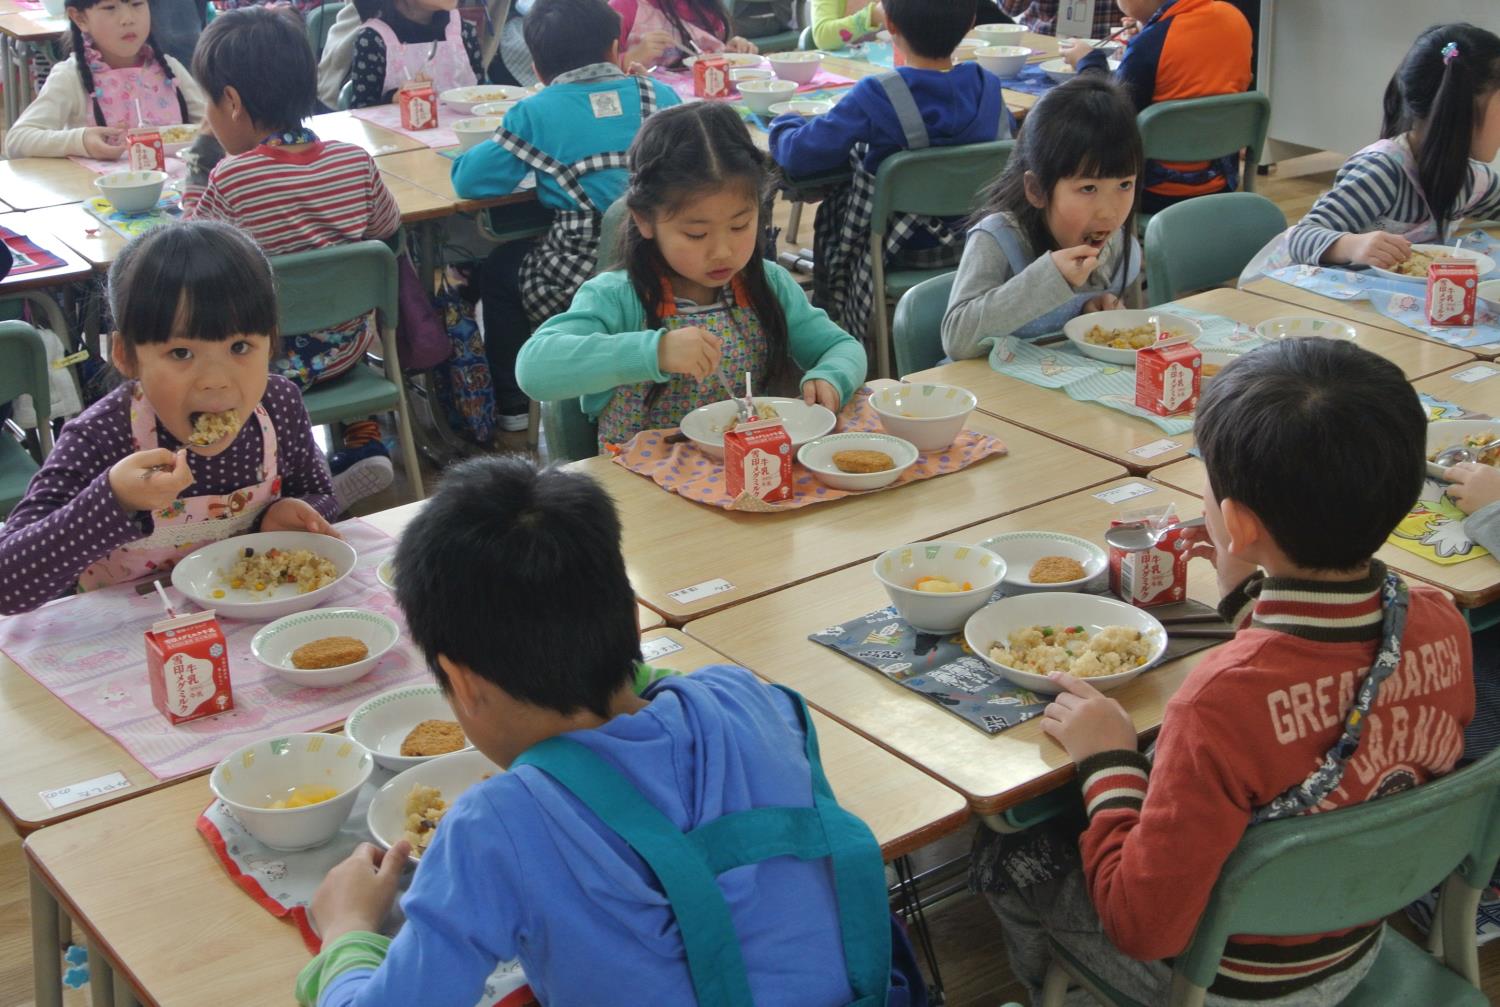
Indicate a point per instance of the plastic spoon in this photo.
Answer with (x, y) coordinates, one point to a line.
(1142, 535)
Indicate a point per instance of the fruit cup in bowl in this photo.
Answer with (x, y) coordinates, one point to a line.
(928, 415)
(800, 66)
(760, 95)
(132, 191)
(295, 791)
(936, 586)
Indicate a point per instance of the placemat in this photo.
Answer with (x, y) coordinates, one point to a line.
(26, 255)
(693, 475)
(943, 669)
(389, 117)
(283, 882)
(1434, 528)
(681, 81)
(1058, 365)
(1031, 80)
(176, 167)
(128, 225)
(89, 651)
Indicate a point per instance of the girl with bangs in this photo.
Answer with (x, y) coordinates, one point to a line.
(1055, 235)
(198, 444)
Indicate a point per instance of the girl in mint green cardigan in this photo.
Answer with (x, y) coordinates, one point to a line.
(642, 346)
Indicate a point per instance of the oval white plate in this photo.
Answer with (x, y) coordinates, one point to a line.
(817, 457)
(1021, 549)
(1484, 263)
(994, 623)
(808, 108)
(386, 574)
(1123, 318)
(1286, 326)
(730, 59)
(465, 98)
(201, 573)
(452, 774)
(382, 722)
(1060, 72)
(273, 645)
(1445, 434)
(704, 426)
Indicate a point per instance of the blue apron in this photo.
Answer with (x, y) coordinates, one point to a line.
(685, 865)
(1126, 272)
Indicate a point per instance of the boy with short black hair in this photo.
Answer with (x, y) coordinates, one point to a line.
(515, 589)
(1301, 711)
(574, 135)
(928, 102)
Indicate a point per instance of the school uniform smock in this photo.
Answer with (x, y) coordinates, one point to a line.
(370, 68)
(522, 868)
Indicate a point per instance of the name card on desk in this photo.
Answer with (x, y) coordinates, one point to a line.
(75, 792)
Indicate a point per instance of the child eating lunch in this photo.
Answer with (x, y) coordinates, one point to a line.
(198, 444)
(1343, 684)
(402, 40)
(575, 860)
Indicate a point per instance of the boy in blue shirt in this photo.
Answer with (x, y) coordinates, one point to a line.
(929, 102)
(574, 135)
(514, 588)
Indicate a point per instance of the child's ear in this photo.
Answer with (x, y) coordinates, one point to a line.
(462, 687)
(233, 104)
(1034, 194)
(1246, 531)
(120, 355)
(643, 225)
(613, 56)
(78, 18)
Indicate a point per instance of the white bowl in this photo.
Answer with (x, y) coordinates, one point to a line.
(268, 770)
(494, 107)
(1484, 263)
(741, 74)
(474, 131)
(805, 107)
(1003, 61)
(132, 191)
(1445, 434)
(1021, 549)
(54, 8)
(382, 722)
(386, 573)
(928, 415)
(800, 66)
(817, 457)
(1060, 72)
(704, 426)
(731, 59)
(966, 48)
(1218, 360)
(273, 645)
(452, 774)
(1288, 326)
(185, 134)
(201, 573)
(994, 623)
(463, 99)
(899, 568)
(999, 34)
(760, 95)
(1489, 290)
(1123, 318)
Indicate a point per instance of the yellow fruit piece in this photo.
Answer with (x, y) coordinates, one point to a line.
(218, 593)
(302, 797)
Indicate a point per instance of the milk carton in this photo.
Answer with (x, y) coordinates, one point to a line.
(419, 105)
(758, 460)
(711, 77)
(1452, 289)
(1168, 376)
(1150, 577)
(187, 663)
(144, 150)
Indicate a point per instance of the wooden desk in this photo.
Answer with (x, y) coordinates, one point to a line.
(995, 772)
(672, 543)
(430, 170)
(72, 224)
(203, 933)
(74, 266)
(30, 182)
(377, 141)
(1118, 436)
(32, 26)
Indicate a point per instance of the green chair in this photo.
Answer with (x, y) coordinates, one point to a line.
(1202, 129)
(515, 222)
(320, 289)
(917, 329)
(1205, 241)
(937, 182)
(346, 96)
(805, 40)
(319, 22)
(23, 371)
(776, 42)
(1317, 873)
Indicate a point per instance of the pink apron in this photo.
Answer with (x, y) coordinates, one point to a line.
(648, 17)
(187, 522)
(445, 63)
(119, 91)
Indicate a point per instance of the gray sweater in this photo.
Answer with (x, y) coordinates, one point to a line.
(989, 302)
(1483, 527)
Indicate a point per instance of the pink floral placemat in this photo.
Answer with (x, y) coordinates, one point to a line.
(389, 117)
(89, 651)
(688, 472)
(176, 167)
(682, 82)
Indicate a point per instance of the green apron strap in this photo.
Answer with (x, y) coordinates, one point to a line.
(713, 949)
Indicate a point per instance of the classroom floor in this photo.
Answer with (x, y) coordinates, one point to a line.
(966, 936)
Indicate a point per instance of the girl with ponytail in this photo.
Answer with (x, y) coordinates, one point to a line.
(115, 78)
(1431, 167)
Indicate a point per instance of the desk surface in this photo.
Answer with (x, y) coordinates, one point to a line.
(74, 267)
(31, 182)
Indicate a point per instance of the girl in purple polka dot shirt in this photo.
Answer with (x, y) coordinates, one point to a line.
(130, 488)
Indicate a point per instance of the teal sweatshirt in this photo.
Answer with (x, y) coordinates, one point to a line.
(601, 342)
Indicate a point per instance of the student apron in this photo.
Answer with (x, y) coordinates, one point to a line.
(629, 412)
(1125, 274)
(445, 63)
(552, 272)
(844, 281)
(187, 523)
(685, 864)
(649, 17)
(130, 96)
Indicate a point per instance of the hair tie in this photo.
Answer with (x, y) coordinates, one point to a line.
(1450, 53)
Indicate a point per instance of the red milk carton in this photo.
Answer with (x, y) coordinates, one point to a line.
(1452, 288)
(711, 77)
(1155, 576)
(758, 460)
(1168, 376)
(419, 105)
(144, 150)
(187, 661)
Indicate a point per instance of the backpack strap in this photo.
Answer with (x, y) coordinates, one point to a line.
(907, 114)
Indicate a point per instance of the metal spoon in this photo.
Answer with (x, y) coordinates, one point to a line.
(1460, 453)
(1141, 535)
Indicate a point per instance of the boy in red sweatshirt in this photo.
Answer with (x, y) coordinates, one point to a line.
(1343, 684)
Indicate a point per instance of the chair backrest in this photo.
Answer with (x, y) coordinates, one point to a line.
(917, 328)
(346, 95)
(935, 181)
(322, 288)
(805, 40)
(23, 367)
(569, 433)
(319, 21)
(1317, 873)
(1207, 240)
(610, 231)
(1201, 129)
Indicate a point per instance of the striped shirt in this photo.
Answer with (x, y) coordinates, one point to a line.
(1373, 192)
(327, 193)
